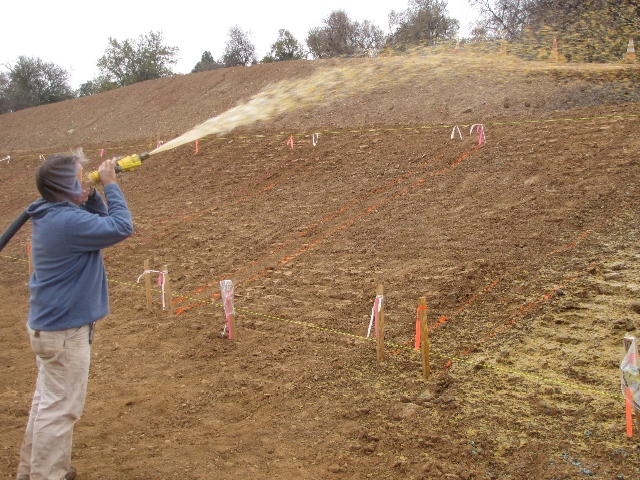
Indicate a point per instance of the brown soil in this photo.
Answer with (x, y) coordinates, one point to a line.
(526, 249)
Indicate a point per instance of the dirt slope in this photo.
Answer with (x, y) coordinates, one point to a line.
(525, 247)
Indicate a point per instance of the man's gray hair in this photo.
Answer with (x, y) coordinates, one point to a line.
(56, 177)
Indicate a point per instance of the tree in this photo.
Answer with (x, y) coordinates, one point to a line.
(239, 50)
(5, 104)
(370, 38)
(286, 47)
(206, 63)
(342, 37)
(425, 22)
(31, 82)
(336, 38)
(128, 62)
(99, 84)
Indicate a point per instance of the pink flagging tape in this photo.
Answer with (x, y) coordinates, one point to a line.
(161, 283)
(161, 275)
(628, 412)
(480, 130)
(226, 288)
(375, 311)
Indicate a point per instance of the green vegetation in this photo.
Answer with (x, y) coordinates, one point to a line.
(286, 47)
(31, 82)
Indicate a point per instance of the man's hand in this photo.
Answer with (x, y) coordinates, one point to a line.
(107, 172)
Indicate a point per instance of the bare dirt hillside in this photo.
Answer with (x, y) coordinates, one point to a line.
(526, 248)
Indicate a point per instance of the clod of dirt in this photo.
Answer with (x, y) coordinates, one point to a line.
(403, 411)
(425, 397)
(617, 266)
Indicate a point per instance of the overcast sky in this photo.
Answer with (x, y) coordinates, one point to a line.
(74, 34)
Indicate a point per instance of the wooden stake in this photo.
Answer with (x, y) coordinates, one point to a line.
(630, 56)
(147, 282)
(554, 51)
(626, 342)
(424, 336)
(380, 332)
(167, 292)
(234, 330)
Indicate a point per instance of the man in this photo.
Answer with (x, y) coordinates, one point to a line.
(71, 225)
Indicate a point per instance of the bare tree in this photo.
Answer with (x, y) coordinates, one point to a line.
(589, 30)
(370, 39)
(508, 19)
(239, 49)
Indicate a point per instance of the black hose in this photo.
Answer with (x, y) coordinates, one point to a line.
(13, 228)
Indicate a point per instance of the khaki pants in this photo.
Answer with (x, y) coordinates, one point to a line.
(63, 371)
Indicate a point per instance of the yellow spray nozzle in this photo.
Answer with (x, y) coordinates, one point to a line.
(123, 164)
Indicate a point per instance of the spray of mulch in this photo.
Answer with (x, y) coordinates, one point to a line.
(330, 85)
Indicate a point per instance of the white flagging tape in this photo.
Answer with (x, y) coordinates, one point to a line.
(453, 132)
(161, 275)
(314, 139)
(226, 289)
(7, 158)
(377, 306)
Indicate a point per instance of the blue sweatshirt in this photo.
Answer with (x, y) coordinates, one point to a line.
(69, 282)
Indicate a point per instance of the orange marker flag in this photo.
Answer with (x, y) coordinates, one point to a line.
(629, 380)
(290, 142)
(196, 147)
